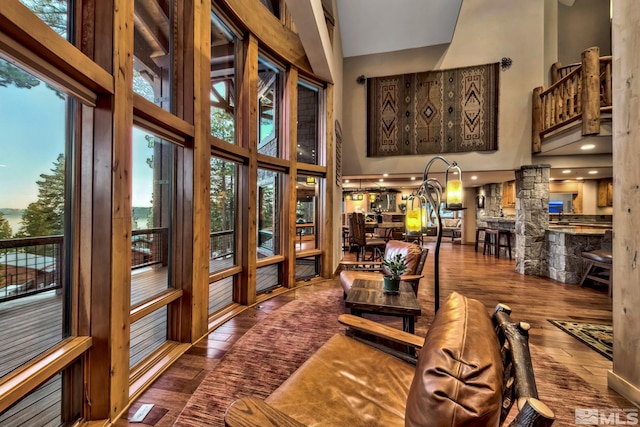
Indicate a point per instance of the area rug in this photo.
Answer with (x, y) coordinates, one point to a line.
(432, 112)
(597, 336)
(266, 356)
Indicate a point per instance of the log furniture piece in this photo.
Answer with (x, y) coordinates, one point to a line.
(415, 259)
(470, 371)
(359, 238)
(600, 263)
(368, 297)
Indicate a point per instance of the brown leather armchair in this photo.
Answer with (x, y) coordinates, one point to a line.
(415, 260)
(470, 372)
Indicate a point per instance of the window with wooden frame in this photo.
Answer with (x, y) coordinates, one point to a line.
(270, 92)
(153, 51)
(223, 81)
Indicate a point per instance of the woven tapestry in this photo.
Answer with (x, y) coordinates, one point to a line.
(433, 112)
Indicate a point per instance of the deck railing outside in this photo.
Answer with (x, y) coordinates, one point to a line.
(29, 266)
(579, 92)
(34, 264)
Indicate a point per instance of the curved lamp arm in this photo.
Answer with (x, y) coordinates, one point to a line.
(432, 190)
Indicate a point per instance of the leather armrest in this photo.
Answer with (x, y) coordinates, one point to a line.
(252, 412)
(380, 330)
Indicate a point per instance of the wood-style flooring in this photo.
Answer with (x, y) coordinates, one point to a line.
(491, 280)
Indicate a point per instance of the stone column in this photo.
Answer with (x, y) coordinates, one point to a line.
(532, 218)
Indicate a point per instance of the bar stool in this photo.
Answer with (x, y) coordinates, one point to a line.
(493, 238)
(478, 230)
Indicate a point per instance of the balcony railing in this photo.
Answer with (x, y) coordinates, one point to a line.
(29, 266)
(34, 264)
(579, 92)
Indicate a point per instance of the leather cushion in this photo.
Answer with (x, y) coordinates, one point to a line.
(347, 277)
(601, 255)
(346, 383)
(458, 379)
(410, 251)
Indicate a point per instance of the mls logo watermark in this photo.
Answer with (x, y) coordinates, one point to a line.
(606, 417)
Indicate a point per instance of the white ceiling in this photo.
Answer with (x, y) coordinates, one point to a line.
(375, 26)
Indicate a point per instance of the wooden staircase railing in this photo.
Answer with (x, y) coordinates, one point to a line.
(578, 92)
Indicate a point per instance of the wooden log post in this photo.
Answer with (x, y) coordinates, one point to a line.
(555, 72)
(536, 121)
(591, 91)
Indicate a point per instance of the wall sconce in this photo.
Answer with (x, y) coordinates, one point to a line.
(311, 180)
(480, 201)
(361, 79)
(358, 196)
(348, 197)
(372, 197)
(432, 190)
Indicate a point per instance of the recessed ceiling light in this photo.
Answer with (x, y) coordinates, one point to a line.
(580, 178)
(413, 178)
(593, 172)
(552, 179)
(381, 180)
(566, 171)
(588, 147)
(474, 177)
(346, 181)
(385, 174)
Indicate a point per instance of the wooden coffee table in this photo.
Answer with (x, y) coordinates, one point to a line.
(368, 296)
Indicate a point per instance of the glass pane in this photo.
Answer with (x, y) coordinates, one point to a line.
(268, 213)
(308, 112)
(152, 215)
(147, 335)
(222, 214)
(306, 220)
(223, 88)
(220, 294)
(153, 51)
(268, 278)
(54, 13)
(40, 408)
(33, 203)
(307, 267)
(269, 95)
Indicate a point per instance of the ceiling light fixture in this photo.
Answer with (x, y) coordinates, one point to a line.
(413, 178)
(593, 172)
(588, 147)
(566, 171)
(474, 177)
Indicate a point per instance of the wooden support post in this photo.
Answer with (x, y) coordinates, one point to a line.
(555, 74)
(536, 121)
(591, 91)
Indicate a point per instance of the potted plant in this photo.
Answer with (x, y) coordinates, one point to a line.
(395, 266)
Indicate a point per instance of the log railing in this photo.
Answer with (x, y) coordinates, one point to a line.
(579, 92)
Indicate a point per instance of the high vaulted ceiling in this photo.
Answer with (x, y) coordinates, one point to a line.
(376, 26)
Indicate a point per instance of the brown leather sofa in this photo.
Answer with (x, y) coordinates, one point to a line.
(459, 378)
(415, 258)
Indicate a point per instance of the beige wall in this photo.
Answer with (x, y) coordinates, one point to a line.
(486, 31)
(581, 26)
(625, 377)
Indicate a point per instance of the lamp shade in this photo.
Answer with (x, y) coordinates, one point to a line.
(413, 223)
(454, 194)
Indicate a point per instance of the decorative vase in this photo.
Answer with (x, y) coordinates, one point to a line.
(391, 285)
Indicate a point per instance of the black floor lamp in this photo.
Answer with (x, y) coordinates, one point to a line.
(432, 190)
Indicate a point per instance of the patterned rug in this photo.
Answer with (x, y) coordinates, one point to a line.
(598, 337)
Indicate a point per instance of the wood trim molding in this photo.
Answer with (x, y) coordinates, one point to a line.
(625, 388)
(161, 122)
(30, 40)
(148, 307)
(25, 379)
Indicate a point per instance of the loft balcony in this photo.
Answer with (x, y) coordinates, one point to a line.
(576, 108)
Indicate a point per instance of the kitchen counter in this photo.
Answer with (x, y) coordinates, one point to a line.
(580, 230)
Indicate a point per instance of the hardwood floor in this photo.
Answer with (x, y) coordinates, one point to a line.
(491, 280)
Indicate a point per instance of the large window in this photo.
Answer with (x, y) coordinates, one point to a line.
(36, 165)
(151, 236)
(223, 81)
(306, 218)
(269, 213)
(153, 51)
(308, 129)
(222, 214)
(269, 97)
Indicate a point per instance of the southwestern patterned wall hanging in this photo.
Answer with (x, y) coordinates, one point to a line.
(446, 111)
